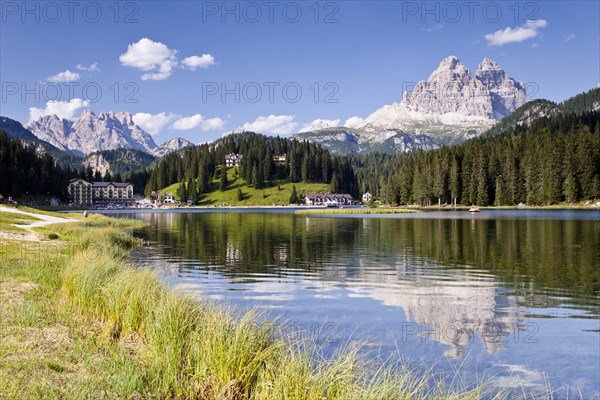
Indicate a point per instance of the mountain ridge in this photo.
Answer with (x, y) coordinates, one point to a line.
(91, 132)
(451, 106)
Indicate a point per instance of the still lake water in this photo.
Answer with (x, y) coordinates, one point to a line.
(507, 297)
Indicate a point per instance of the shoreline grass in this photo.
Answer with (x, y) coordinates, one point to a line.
(88, 324)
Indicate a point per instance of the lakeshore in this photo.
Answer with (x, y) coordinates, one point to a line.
(80, 322)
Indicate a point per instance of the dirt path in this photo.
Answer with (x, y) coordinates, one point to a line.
(31, 235)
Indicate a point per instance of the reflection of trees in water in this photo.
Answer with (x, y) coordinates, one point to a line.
(540, 256)
(251, 243)
(445, 274)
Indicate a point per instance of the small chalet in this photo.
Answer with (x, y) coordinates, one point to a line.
(327, 199)
(233, 160)
(165, 198)
(279, 159)
(367, 197)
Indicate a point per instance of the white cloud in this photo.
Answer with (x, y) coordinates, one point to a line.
(196, 121)
(148, 55)
(188, 122)
(353, 122)
(320, 124)
(194, 62)
(153, 123)
(528, 30)
(62, 109)
(212, 123)
(93, 67)
(65, 76)
(273, 124)
(535, 45)
(158, 60)
(570, 37)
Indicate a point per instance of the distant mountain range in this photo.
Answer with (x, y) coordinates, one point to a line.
(451, 106)
(170, 145)
(108, 142)
(15, 130)
(91, 132)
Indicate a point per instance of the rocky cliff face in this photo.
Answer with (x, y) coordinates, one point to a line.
(171, 145)
(119, 161)
(452, 105)
(450, 89)
(355, 141)
(91, 132)
(506, 94)
(97, 163)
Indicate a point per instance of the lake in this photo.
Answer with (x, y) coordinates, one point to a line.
(511, 297)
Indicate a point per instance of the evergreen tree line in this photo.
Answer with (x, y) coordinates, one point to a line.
(138, 179)
(24, 171)
(552, 160)
(198, 166)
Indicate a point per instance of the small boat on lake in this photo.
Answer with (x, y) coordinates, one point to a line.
(474, 209)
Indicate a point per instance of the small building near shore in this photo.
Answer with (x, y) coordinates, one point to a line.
(323, 199)
(367, 197)
(163, 198)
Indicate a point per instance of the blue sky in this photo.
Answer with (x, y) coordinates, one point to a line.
(197, 69)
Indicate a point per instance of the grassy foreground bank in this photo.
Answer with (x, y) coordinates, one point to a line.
(77, 321)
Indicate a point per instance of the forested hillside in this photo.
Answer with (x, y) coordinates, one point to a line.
(552, 160)
(15, 130)
(305, 162)
(24, 171)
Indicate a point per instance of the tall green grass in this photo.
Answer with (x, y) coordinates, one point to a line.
(182, 348)
(195, 350)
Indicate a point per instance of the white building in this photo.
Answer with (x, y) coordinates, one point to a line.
(82, 192)
(327, 199)
(233, 160)
(366, 197)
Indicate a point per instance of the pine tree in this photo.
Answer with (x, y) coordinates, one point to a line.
(305, 169)
(224, 181)
(239, 194)
(202, 178)
(500, 197)
(192, 191)
(570, 188)
(454, 182)
(182, 192)
(336, 183)
(294, 195)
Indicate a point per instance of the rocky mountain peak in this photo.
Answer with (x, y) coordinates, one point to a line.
(125, 118)
(488, 64)
(450, 69)
(453, 98)
(506, 93)
(171, 145)
(450, 62)
(87, 114)
(91, 132)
